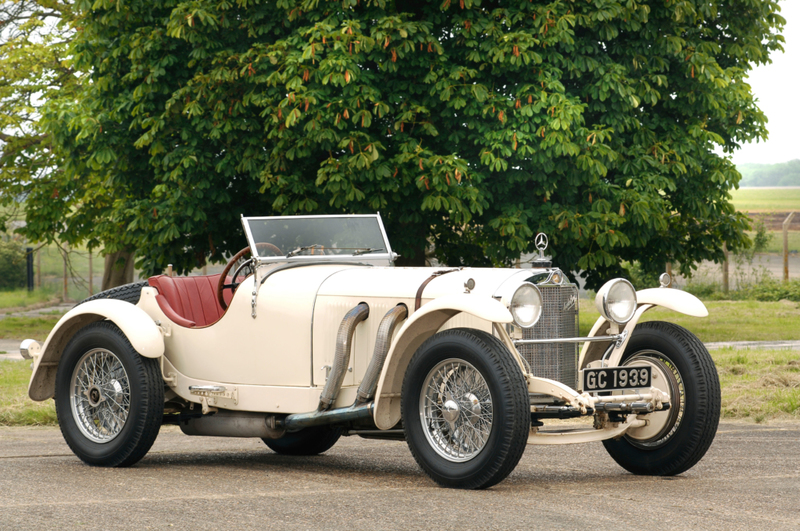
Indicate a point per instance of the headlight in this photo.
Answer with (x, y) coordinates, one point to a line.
(616, 300)
(526, 305)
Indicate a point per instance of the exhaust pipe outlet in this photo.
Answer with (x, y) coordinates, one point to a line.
(366, 391)
(225, 423)
(344, 341)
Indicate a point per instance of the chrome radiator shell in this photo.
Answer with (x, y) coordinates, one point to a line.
(555, 361)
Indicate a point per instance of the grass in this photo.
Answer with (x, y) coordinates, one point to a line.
(24, 327)
(759, 384)
(766, 199)
(16, 409)
(775, 244)
(726, 321)
(22, 298)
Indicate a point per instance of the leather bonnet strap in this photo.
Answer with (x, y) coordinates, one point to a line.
(418, 300)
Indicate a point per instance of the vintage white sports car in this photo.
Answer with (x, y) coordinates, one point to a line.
(310, 334)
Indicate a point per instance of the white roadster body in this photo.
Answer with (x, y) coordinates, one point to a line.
(311, 334)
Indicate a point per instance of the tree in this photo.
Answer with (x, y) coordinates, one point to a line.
(36, 83)
(470, 125)
(33, 70)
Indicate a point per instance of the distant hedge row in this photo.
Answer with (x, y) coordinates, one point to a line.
(783, 174)
(12, 265)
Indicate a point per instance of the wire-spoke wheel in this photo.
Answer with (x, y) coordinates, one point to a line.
(100, 396)
(455, 408)
(465, 409)
(109, 399)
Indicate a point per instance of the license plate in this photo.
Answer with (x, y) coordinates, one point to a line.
(616, 378)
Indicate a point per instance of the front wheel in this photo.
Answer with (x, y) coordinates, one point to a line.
(465, 409)
(109, 399)
(676, 439)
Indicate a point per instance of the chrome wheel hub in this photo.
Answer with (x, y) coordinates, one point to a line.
(663, 424)
(100, 395)
(455, 409)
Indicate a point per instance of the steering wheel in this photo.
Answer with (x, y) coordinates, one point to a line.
(245, 268)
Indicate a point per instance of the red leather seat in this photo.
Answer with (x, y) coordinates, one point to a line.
(189, 301)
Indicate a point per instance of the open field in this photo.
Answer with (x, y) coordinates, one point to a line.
(22, 327)
(727, 320)
(22, 298)
(16, 409)
(775, 244)
(785, 199)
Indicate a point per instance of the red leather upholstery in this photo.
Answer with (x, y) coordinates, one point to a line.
(189, 301)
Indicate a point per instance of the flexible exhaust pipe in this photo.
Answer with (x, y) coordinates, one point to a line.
(299, 421)
(344, 341)
(366, 391)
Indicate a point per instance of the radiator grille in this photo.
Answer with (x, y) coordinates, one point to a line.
(556, 361)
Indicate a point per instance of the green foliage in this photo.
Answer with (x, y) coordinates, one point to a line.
(470, 125)
(12, 265)
(783, 174)
(774, 290)
(33, 70)
(639, 277)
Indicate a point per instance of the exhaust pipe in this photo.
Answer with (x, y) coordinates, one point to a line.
(225, 423)
(318, 418)
(344, 341)
(366, 390)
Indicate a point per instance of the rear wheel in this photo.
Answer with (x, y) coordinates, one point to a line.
(109, 399)
(465, 409)
(308, 441)
(676, 439)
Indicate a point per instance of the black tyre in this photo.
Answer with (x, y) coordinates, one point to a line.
(465, 409)
(128, 293)
(309, 441)
(676, 439)
(109, 399)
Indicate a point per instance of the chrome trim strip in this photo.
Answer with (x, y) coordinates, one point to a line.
(596, 339)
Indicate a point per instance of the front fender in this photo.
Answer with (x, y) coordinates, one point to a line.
(138, 327)
(673, 299)
(420, 326)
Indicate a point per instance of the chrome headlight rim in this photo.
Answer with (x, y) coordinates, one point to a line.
(603, 303)
(514, 303)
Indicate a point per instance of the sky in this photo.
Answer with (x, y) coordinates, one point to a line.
(776, 87)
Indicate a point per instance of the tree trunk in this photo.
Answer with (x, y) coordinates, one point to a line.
(418, 260)
(118, 269)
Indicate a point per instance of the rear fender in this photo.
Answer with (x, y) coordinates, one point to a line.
(673, 299)
(140, 329)
(420, 326)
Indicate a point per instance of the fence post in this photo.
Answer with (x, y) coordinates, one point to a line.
(39, 268)
(29, 266)
(725, 264)
(786, 224)
(91, 287)
(65, 250)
